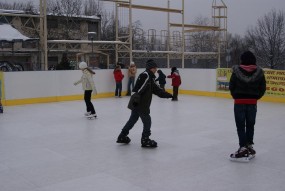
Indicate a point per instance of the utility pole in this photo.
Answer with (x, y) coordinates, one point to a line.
(43, 34)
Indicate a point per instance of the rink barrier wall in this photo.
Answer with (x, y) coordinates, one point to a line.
(31, 87)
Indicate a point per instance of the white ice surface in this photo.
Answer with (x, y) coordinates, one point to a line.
(53, 147)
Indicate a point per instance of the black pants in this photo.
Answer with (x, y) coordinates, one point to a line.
(87, 99)
(245, 120)
(175, 92)
(162, 86)
(146, 119)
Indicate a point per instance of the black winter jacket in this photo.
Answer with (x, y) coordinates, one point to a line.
(161, 78)
(247, 85)
(144, 88)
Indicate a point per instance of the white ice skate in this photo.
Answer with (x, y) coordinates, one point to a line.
(242, 159)
(91, 116)
(87, 113)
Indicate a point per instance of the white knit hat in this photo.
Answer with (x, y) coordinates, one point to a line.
(82, 65)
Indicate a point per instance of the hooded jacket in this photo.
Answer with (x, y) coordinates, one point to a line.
(144, 88)
(247, 87)
(87, 81)
(118, 75)
(176, 79)
(161, 77)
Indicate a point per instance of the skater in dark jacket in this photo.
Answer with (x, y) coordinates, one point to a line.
(140, 105)
(161, 79)
(247, 85)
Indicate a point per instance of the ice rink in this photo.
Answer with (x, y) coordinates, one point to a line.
(52, 147)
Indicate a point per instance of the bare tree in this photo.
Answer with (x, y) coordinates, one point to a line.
(27, 6)
(108, 24)
(92, 7)
(267, 39)
(202, 41)
(69, 10)
(236, 46)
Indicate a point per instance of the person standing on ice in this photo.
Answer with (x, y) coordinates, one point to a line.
(140, 103)
(132, 71)
(88, 86)
(118, 76)
(161, 79)
(247, 85)
(176, 82)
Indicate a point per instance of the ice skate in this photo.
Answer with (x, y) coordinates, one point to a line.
(87, 113)
(1, 109)
(91, 116)
(251, 150)
(241, 155)
(123, 139)
(146, 142)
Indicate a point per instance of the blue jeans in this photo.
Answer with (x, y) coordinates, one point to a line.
(118, 90)
(146, 119)
(245, 116)
(131, 82)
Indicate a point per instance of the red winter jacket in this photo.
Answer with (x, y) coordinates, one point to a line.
(176, 80)
(118, 75)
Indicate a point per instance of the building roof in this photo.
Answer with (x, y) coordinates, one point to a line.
(9, 33)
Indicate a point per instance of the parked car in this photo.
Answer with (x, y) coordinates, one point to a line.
(7, 66)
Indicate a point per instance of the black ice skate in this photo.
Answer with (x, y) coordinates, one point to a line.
(241, 155)
(251, 150)
(123, 139)
(146, 142)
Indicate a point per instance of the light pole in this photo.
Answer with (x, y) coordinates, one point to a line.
(92, 35)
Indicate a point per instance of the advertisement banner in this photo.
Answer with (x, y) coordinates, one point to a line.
(223, 79)
(275, 81)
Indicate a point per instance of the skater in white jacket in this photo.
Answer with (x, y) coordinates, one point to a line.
(88, 86)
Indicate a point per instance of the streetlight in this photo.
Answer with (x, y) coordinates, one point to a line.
(228, 56)
(92, 35)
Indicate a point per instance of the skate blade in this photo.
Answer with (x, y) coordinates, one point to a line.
(149, 147)
(243, 159)
(91, 117)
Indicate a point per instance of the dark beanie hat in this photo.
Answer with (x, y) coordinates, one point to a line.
(247, 58)
(173, 69)
(150, 64)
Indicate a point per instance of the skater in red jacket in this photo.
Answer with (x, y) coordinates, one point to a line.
(118, 75)
(176, 82)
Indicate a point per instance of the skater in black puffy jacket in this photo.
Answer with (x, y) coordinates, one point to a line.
(161, 79)
(140, 105)
(247, 85)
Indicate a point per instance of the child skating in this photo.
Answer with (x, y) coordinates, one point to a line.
(118, 76)
(161, 79)
(176, 82)
(88, 86)
(247, 85)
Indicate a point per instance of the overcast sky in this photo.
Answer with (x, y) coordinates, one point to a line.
(241, 13)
